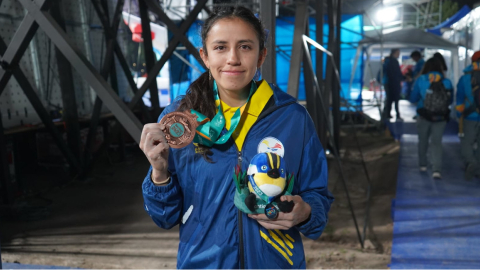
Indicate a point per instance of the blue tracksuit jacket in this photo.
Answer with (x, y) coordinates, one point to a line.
(213, 233)
(421, 86)
(464, 94)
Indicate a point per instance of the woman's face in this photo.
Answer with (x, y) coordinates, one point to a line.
(233, 54)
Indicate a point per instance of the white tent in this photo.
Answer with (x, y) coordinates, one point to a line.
(409, 37)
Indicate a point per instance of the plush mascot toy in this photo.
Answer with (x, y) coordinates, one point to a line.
(260, 189)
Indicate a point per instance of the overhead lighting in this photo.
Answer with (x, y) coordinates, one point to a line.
(387, 14)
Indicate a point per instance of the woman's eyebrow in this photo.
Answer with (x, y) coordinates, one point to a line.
(219, 41)
(240, 41)
(245, 41)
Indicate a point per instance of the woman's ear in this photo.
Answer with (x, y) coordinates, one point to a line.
(261, 58)
(203, 55)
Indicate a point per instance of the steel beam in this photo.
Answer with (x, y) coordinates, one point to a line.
(5, 181)
(301, 16)
(118, 50)
(67, 87)
(37, 105)
(269, 68)
(168, 52)
(85, 69)
(329, 81)
(149, 54)
(336, 84)
(310, 95)
(322, 128)
(110, 35)
(19, 43)
(30, 93)
(155, 8)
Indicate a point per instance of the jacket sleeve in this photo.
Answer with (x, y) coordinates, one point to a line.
(398, 71)
(417, 69)
(163, 203)
(460, 96)
(313, 182)
(449, 87)
(415, 96)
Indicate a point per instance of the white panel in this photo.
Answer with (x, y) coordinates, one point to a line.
(14, 106)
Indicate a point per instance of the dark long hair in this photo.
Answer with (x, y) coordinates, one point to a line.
(440, 58)
(199, 95)
(432, 64)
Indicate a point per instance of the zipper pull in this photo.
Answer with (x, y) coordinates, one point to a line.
(240, 158)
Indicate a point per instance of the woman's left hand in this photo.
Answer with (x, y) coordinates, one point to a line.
(300, 212)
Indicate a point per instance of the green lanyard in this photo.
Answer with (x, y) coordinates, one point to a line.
(208, 133)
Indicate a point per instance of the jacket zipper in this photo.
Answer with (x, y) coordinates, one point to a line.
(239, 162)
(240, 221)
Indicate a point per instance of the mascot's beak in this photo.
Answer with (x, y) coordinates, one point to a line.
(273, 173)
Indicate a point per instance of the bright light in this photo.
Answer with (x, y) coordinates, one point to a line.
(387, 14)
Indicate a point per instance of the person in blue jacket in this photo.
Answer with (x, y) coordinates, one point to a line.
(427, 129)
(416, 56)
(419, 62)
(469, 119)
(192, 186)
(392, 82)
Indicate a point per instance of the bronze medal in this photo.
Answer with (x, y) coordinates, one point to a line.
(179, 128)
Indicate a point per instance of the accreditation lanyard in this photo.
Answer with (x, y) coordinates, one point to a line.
(208, 134)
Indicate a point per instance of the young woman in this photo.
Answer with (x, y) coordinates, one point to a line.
(431, 126)
(193, 187)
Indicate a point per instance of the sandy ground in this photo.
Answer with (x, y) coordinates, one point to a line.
(100, 223)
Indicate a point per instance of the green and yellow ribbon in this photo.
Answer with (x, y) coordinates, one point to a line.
(208, 134)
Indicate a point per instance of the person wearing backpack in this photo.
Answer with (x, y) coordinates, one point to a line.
(468, 107)
(433, 94)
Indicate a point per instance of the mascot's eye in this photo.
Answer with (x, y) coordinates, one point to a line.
(264, 167)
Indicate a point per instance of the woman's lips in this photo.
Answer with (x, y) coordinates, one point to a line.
(232, 72)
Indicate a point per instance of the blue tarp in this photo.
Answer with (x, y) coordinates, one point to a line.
(351, 33)
(436, 223)
(455, 18)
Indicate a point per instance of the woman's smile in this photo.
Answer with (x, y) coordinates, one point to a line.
(232, 55)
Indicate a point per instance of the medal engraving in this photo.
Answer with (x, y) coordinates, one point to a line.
(179, 128)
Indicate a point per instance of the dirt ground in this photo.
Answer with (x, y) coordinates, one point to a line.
(100, 223)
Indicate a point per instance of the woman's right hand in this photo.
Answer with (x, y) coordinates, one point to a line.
(155, 147)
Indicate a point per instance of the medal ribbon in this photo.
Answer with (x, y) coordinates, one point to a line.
(208, 133)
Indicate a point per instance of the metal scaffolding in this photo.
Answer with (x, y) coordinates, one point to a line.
(47, 15)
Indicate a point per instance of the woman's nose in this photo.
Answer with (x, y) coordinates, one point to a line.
(233, 58)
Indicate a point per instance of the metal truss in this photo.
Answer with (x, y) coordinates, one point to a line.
(37, 15)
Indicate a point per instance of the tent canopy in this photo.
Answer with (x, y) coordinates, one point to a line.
(450, 21)
(409, 37)
(413, 37)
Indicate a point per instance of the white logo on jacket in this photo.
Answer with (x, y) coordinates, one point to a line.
(272, 145)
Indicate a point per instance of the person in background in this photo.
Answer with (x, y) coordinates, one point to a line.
(440, 58)
(431, 120)
(469, 118)
(417, 57)
(392, 82)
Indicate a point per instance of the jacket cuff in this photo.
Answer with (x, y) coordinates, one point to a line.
(150, 188)
(314, 225)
